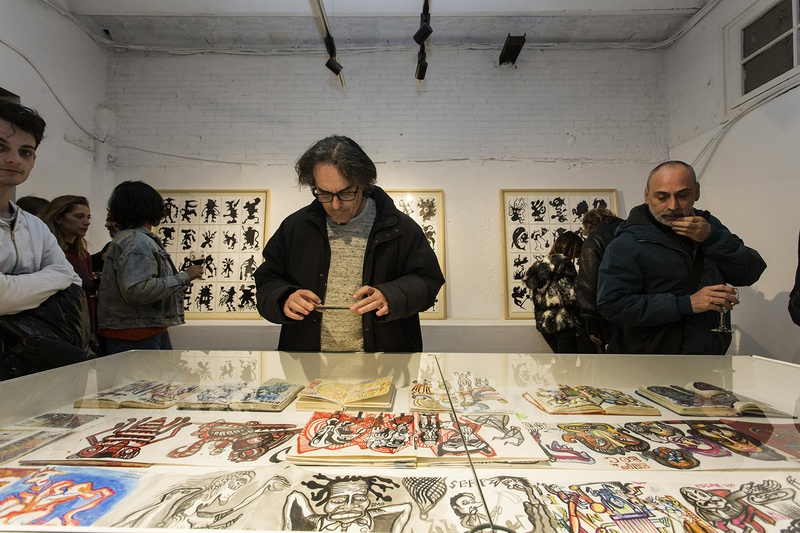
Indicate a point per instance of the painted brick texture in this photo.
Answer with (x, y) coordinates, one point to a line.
(574, 105)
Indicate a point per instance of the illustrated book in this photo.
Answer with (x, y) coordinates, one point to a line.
(273, 395)
(703, 399)
(332, 395)
(468, 394)
(142, 394)
(587, 400)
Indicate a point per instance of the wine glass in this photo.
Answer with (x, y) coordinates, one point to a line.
(723, 327)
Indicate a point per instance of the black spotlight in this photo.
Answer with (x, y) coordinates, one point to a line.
(422, 66)
(333, 66)
(512, 48)
(423, 32)
(425, 29)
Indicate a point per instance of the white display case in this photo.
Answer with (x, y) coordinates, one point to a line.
(595, 473)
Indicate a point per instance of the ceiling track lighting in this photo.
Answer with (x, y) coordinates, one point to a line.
(420, 37)
(332, 63)
(512, 48)
(422, 65)
(425, 29)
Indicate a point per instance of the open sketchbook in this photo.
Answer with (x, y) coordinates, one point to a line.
(332, 395)
(586, 400)
(703, 399)
(466, 392)
(143, 394)
(273, 395)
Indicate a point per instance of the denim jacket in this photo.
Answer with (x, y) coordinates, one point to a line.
(140, 287)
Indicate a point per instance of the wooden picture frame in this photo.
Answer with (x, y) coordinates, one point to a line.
(229, 229)
(532, 219)
(426, 208)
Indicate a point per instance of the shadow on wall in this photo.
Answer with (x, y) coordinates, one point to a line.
(770, 319)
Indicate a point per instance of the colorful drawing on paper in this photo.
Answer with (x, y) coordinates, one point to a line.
(64, 496)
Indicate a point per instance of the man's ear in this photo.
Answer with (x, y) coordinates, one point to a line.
(646, 193)
(696, 191)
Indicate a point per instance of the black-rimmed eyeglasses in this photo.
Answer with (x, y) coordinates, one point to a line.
(327, 197)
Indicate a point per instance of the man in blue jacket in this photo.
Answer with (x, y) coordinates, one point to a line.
(349, 272)
(663, 279)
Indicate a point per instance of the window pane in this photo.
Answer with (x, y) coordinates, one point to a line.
(767, 28)
(768, 65)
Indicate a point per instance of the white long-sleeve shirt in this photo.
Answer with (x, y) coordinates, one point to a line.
(32, 265)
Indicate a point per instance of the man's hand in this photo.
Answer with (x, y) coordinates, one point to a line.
(714, 298)
(195, 271)
(696, 228)
(370, 299)
(300, 303)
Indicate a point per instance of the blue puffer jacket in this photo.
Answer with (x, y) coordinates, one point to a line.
(642, 285)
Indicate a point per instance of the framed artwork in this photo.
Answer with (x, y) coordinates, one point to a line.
(225, 230)
(426, 207)
(532, 220)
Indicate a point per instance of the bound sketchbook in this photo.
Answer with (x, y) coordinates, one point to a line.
(273, 395)
(703, 399)
(587, 400)
(468, 394)
(331, 395)
(142, 394)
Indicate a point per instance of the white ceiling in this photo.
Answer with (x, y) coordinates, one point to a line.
(265, 25)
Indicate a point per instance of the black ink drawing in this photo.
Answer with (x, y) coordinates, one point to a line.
(426, 208)
(532, 220)
(340, 503)
(227, 227)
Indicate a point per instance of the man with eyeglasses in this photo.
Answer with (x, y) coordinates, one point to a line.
(349, 272)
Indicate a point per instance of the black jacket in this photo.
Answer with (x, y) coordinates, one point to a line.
(645, 285)
(398, 261)
(592, 252)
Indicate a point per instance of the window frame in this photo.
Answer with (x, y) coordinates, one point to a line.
(735, 99)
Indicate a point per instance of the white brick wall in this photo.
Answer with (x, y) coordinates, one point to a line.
(605, 105)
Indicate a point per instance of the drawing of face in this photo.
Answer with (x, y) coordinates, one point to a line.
(230, 485)
(703, 499)
(348, 502)
(465, 504)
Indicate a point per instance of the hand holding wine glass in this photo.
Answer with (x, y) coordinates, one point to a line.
(723, 309)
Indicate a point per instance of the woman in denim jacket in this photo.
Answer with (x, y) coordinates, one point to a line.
(141, 291)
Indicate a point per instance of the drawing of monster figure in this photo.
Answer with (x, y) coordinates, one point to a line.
(534, 504)
(426, 208)
(602, 438)
(126, 439)
(603, 507)
(772, 495)
(248, 441)
(726, 510)
(580, 209)
(735, 441)
(52, 498)
(346, 504)
(672, 457)
(210, 211)
(204, 502)
(462, 438)
(557, 452)
(516, 209)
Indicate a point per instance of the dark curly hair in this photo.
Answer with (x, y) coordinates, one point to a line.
(134, 204)
(23, 118)
(345, 155)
